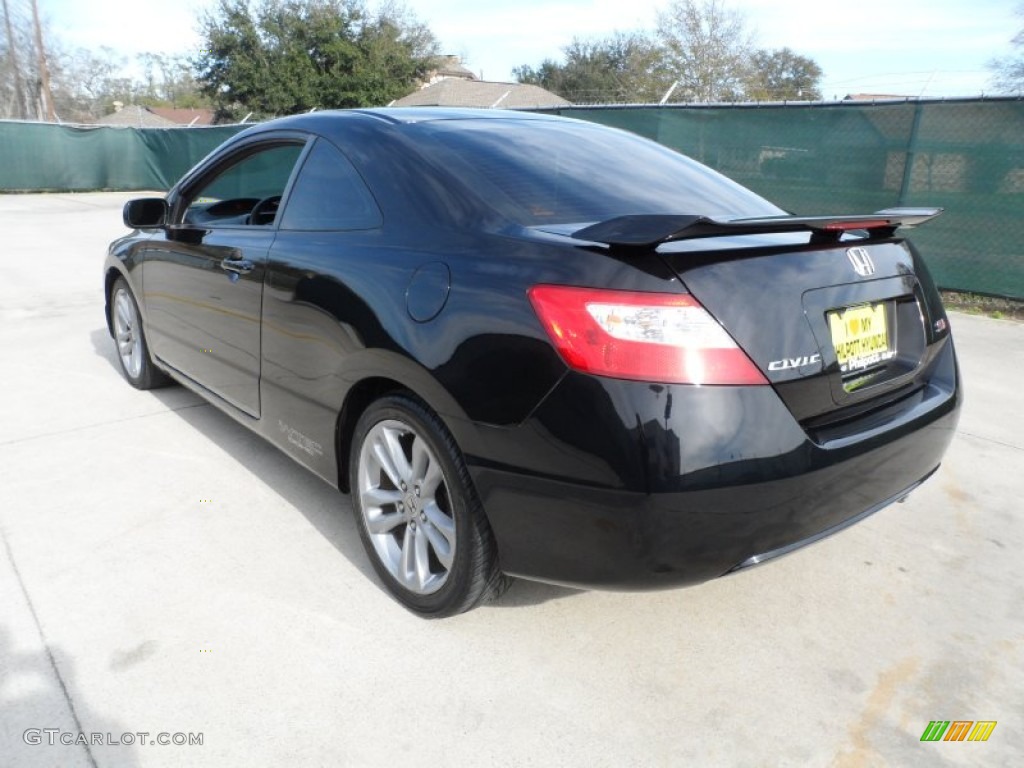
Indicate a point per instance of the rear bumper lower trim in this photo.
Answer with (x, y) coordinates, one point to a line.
(774, 554)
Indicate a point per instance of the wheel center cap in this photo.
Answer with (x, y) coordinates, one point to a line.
(410, 502)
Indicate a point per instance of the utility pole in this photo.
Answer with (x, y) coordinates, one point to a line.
(44, 70)
(19, 90)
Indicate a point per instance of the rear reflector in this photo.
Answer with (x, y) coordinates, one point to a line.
(653, 337)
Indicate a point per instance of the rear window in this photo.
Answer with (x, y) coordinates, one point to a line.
(539, 172)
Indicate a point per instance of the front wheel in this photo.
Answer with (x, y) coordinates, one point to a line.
(132, 350)
(417, 511)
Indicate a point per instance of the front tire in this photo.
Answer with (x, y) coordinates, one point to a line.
(417, 511)
(132, 349)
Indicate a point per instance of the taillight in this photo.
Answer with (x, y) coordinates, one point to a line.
(655, 337)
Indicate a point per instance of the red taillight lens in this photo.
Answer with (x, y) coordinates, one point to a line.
(654, 337)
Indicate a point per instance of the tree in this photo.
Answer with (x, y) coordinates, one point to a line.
(169, 82)
(781, 75)
(84, 83)
(1008, 71)
(706, 48)
(625, 67)
(277, 57)
(14, 56)
(26, 64)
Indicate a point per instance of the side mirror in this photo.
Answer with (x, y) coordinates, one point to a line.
(145, 213)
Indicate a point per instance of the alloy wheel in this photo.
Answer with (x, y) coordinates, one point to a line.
(406, 506)
(127, 333)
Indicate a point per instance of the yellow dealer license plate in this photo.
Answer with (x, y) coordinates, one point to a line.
(860, 336)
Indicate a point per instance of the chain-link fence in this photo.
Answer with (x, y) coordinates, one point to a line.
(38, 157)
(847, 157)
(854, 157)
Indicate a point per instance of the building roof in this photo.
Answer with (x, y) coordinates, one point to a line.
(184, 116)
(874, 97)
(136, 117)
(456, 92)
(157, 117)
(451, 66)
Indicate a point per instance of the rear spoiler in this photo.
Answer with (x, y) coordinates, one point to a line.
(648, 232)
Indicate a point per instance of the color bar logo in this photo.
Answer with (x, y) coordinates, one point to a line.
(958, 730)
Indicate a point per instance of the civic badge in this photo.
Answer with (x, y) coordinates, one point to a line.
(861, 261)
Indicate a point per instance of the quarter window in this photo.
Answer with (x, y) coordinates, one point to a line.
(329, 194)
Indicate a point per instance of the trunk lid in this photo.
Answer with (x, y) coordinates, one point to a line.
(839, 315)
(837, 329)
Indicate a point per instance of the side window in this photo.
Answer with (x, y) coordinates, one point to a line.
(329, 194)
(248, 191)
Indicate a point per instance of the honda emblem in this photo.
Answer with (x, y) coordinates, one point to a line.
(861, 261)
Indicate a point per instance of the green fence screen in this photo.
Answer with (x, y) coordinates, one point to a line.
(47, 157)
(852, 157)
(849, 157)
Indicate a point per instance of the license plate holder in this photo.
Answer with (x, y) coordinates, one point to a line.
(862, 336)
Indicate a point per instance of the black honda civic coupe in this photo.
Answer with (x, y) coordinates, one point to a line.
(537, 347)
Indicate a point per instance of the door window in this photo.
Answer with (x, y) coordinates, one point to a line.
(246, 193)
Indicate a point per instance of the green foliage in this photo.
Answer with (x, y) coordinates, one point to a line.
(169, 82)
(623, 67)
(782, 75)
(706, 48)
(700, 52)
(279, 57)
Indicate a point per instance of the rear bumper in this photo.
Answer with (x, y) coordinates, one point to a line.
(665, 486)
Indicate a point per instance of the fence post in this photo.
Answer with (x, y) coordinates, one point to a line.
(908, 163)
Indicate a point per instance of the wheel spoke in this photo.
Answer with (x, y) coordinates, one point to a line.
(385, 522)
(124, 311)
(441, 546)
(421, 459)
(422, 558)
(406, 570)
(432, 479)
(383, 457)
(397, 454)
(378, 497)
(440, 522)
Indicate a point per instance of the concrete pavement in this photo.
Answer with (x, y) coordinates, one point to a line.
(163, 571)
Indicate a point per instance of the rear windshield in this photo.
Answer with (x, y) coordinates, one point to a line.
(552, 172)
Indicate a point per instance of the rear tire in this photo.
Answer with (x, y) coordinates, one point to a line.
(418, 514)
(130, 340)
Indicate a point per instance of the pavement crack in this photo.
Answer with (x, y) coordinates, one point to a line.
(990, 440)
(46, 646)
(82, 202)
(85, 427)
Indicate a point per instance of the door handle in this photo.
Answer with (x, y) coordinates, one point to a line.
(238, 266)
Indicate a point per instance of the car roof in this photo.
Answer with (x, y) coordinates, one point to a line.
(326, 119)
(425, 114)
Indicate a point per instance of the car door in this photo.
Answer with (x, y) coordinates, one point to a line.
(203, 277)
(326, 253)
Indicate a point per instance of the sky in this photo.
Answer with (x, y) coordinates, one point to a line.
(921, 48)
